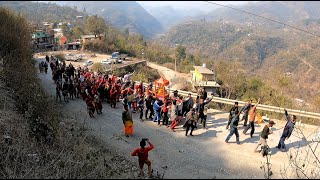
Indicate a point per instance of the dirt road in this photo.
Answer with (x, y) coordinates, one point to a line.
(97, 59)
(176, 79)
(205, 155)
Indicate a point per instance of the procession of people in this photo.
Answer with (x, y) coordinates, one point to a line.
(94, 88)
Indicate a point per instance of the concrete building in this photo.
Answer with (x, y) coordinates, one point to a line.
(43, 39)
(205, 78)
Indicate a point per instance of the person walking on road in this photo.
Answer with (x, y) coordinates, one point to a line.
(200, 110)
(190, 121)
(203, 94)
(264, 135)
(234, 127)
(252, 113)
(157, 110)
(165, 110)
(245, 109)
(141, 106)
(287, 131)
(188, 104)
(149, 106)
(173, 115)
(127, 121)
(142, 154)
(234, 108)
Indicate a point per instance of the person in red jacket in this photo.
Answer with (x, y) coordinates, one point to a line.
(113, 96)
(142, 154)
(90, 105)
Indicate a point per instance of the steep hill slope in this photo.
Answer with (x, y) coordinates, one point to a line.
(39, 12)
(269, 53)
(122, 14)
(285, 11)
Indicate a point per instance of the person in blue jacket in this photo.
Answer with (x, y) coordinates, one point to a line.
(234, 127)
(287, 131)
(157, 110)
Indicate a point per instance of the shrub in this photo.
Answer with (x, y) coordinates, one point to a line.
(98, 67)
(21, 76)
(61, 57)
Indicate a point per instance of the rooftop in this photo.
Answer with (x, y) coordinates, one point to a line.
(208, 84)
(203, 70)
(89, 36)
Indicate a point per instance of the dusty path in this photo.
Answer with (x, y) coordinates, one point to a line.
(176, 79)
(205, 155)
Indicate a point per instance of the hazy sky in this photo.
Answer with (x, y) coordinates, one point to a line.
(188, 4)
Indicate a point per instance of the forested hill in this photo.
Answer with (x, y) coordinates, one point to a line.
(265, 49)
(40, 12)
(284, 11)
(226, 41)
(122, 14)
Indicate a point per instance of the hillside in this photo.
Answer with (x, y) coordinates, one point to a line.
(122, 14)
(225, 41)
(266, 51)
(41, 12)
(284, 11)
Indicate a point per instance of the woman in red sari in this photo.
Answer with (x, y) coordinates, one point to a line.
(113, 96)
(90, 106)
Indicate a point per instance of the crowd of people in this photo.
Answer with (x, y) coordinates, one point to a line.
(95, 88)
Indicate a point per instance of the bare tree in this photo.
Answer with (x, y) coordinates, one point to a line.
(304, 157)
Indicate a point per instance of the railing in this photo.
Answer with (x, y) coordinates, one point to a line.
(260, 106)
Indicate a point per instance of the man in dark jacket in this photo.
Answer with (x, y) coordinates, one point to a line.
(245, 110)
(252, 113)
(234, 127)
(190, 121)
(287, 131)
(234, 108)
(149, 106)
(200, 110)
(264, 135)
(188, 104)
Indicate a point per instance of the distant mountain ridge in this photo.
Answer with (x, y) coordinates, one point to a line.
(122, 14)
(169, 16)
(43, 11)
(261, 46)
(284, 11)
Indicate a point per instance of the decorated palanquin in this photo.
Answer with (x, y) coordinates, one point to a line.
(159, 88)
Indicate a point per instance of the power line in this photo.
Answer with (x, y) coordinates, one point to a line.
(262, 17)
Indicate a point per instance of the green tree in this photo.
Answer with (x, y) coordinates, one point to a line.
(232, 79)
(95, 25)
(98, 67)
(64, 28)
(181, 52)
(76, 32)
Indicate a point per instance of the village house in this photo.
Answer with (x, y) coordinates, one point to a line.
(205, 78)
(90, 37)
(43, 39)
(85, 38)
